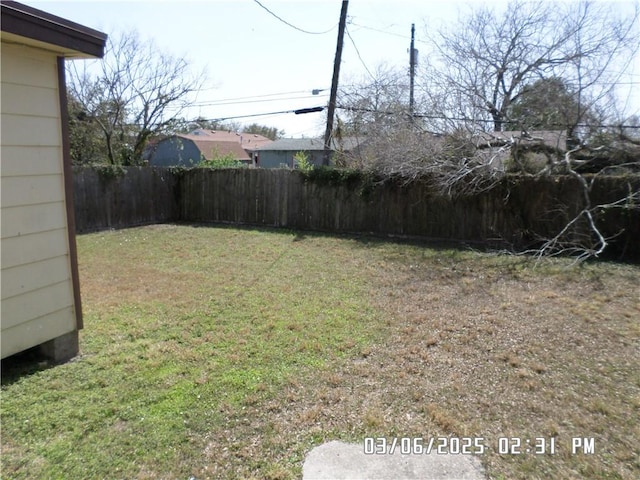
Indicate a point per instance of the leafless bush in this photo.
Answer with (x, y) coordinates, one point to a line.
(451, 164)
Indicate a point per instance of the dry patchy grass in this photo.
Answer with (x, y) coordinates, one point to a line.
(481, 345)
(226, 353)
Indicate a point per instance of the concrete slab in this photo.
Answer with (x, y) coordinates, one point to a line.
(347, 461)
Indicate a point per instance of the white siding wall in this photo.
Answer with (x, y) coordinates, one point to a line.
(37, 292)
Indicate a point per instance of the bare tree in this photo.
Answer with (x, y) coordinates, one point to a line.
(134, 93)
(488, 60)
(537, 65)
(370, 104)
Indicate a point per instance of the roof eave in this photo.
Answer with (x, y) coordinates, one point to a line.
(72, 38)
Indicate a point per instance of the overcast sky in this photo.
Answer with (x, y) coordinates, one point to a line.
(250, 56)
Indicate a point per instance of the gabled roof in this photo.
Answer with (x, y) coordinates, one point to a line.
(309, 144)
(249, 141)
(211, 149)
(27, 25)
(212, 143)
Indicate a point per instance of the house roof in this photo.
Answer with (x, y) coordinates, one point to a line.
(213, 143)
(27, 25)
(309, 144)
(214, 148)
(248, 141)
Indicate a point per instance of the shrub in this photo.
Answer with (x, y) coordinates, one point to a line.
(301, 162)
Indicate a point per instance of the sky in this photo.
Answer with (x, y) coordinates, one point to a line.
(257, 64)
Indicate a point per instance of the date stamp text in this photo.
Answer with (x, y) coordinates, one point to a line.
(477, 445)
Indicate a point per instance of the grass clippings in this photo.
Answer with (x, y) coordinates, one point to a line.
(230, 353)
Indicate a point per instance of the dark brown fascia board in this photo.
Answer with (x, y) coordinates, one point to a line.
(68, 192)
(30, 22)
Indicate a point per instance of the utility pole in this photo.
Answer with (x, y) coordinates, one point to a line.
(412, 69)
(334, 83)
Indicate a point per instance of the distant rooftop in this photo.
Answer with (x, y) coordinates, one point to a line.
(309, 144)
(249, 141)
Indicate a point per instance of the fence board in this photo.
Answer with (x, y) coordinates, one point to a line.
(506, 215)
(143, 195)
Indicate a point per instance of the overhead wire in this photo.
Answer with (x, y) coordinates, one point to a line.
(381, 31)
(290, 24)
(231, 101)
(467, 119)
(417, 115)
(358, 53)
(259, 96)
(215, 104)
(221, 119)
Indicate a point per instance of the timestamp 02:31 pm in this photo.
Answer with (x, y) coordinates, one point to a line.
(476, 445)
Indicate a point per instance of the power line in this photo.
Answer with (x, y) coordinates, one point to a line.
(260, 96)
(291, 25)
(297, 111)
(219, 103)
(359, 56)
(379, 31)
(466, 119)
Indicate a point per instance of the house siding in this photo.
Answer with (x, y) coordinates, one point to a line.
(37, 291)
(274, 159)
(175, 151)
(280, 158)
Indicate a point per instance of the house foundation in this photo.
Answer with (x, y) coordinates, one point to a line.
(60, 349)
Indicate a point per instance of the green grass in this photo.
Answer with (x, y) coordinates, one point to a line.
(230, 353)
(184, 327)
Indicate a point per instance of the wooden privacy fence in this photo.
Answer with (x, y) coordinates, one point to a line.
(515, 213)
(105, 199)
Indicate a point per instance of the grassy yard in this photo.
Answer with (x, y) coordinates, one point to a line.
(230, 353)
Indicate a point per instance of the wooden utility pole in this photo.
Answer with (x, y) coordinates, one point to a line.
(334, 84)
(412, 69)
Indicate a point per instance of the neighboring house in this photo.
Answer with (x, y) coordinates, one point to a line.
(189, 149)
(40, 283)
(281, 153)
